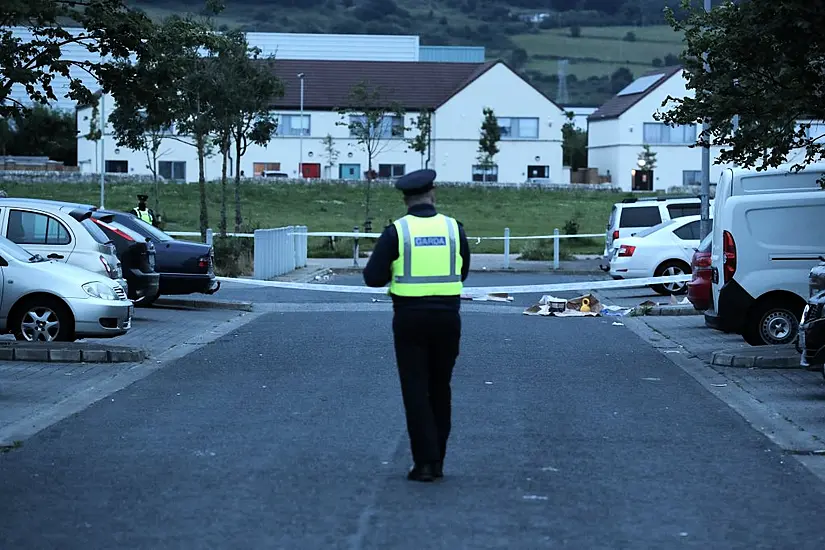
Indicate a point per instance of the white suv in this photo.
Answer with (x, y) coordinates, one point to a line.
(633, 215)
(63, 233)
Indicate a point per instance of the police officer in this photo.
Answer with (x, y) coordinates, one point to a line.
(426, 268)
(144, 213)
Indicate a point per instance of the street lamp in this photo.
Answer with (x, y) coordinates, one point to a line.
(301, 135)
(641, 163)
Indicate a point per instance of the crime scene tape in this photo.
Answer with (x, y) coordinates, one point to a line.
(517, 238)
(473, 291)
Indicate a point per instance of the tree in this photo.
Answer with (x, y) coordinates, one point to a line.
(420, 143)
(330, 153)
(45, 132)
(107, 27)
(95, 133)
(574, 144)
(373, 121)
(255, 88)
(764, 76)
(488, 142)
(647, 157)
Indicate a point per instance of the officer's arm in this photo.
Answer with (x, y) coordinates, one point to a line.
(378, 271)
(464, 250)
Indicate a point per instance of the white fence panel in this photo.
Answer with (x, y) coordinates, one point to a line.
(279, 251)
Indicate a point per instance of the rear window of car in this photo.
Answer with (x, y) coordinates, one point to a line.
(642, 216)
(96, 232)
(688, 232)
(682, 210)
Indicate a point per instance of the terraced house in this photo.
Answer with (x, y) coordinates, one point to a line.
(455, 92)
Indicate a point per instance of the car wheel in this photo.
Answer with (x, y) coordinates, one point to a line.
(43, 319)
(669, 269)
(773, 322)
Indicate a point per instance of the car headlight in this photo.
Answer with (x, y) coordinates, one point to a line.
(99, 290)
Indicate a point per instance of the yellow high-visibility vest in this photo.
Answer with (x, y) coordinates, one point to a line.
(144, 215)
(429, 262)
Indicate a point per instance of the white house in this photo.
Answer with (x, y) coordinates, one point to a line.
(619, 129)
(457, 93)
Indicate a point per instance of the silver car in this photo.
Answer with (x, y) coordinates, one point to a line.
(44, 300)
(59, 231)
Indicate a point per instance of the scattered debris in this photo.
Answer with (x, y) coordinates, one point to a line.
(720, 385)
(617, 324)
(652, 379)
(549, 469)
(489, 383)
(582, 306)
(535, 497)
(495, 297)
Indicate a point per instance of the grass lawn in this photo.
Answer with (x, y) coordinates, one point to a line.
(333, 207)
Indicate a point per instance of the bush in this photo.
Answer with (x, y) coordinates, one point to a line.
(571, 227)
(575, 31)
(630, 37)
(542, 251)
(657, 62)
(233, 256)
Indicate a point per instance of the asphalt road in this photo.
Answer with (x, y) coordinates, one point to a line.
(289, 433)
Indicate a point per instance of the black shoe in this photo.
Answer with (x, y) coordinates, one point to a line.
(438, 469)
(422, 472)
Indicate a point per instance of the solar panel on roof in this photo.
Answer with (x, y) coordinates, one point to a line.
(641, 84)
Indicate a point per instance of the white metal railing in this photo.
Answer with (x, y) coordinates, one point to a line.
(556, 237)
(280, 250)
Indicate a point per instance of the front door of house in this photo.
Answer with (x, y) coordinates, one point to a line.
(642, 180)
(349, 171)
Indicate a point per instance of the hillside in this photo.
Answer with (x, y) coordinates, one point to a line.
(606, 45)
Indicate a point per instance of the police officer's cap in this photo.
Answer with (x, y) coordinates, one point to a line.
(416, 183)
(143, 197)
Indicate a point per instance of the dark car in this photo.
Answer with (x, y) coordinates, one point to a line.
(184, 267)
(699, 287)
(137, 258)
(811, 342)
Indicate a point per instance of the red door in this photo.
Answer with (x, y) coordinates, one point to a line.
(311, 171)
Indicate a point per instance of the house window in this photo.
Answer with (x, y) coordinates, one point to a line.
(258, 168)
(172, 170)
(293, 125)
(481, 173)
(391, 170)
(390, 127)
(691, 177)
(519, 128)
(659, 133)
(117, 166)
(538, 172)
(34, 228)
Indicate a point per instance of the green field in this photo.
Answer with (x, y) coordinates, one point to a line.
(331, 207)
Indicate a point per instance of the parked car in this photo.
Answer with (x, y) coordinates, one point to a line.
(47, 300)
(660, 251)
(630, 216)
(60, 232)
(769, 231)
(811, 343)
(699, 287)
(184, 267)
(137, 257)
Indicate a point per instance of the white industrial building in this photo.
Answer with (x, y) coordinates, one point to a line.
(530, 148)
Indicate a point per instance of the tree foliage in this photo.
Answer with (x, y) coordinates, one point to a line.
(574, 144)
(40, 131)
(488, 141)
(107, 27)
(374, 122)
(766, 73)
(420, 143)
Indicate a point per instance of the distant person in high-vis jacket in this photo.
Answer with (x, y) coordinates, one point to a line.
(143, 212)
(425, 268)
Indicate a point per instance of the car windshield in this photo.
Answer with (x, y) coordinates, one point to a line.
(146, 228)
(10, 249)
(654, 229)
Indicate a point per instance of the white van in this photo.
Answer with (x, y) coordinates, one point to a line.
(768, 232)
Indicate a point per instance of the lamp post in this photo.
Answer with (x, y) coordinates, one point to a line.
(301, 135)
(102, 147)
(704, 194)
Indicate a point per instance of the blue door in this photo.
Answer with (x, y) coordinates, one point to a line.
(349, 171)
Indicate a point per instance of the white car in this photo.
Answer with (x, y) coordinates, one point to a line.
(663, 250)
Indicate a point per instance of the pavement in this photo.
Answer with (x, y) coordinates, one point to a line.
(288, 432)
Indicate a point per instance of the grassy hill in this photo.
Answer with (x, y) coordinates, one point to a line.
(605, 49)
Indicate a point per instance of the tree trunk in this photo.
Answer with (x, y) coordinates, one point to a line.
(369, 187)
(238, 219)
(204, 218)
(225, 149)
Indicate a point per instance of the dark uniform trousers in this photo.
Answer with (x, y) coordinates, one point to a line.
(426, 349)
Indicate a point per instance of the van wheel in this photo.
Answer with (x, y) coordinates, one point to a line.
(42, 319)
(669, 269)
(773, 322)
